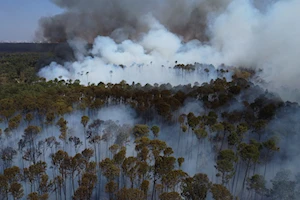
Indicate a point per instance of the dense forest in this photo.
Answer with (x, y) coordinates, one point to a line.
(224, 139)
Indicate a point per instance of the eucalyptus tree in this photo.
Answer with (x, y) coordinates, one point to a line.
(7, 155)
(29, 137)
(220, 192)
(170, 196)
(249, 154)
(269, 148)
(16, 190)
(84, 121)
(155, 131)
(130, 194)
(256, 184)
(196, 187)
(61, 163)
(63, 128)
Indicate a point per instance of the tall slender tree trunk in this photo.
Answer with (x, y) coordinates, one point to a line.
(238, 175)
(244, 181)
(265, 170)
(224, 135)
(178, 143)
(233, 180)
(198, 155)
(73, 186)
(153, 190)
(254, 168)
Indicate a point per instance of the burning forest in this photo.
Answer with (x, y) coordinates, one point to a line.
(154, 100)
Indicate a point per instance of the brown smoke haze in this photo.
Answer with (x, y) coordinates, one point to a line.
(240, 33)
(89, 18)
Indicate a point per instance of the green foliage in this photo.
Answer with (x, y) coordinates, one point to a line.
(258, 184)
(141, 130)
(145, 187)
(16, 190)
(249, 152)
(193, 121)
(109, 169)
(220, 192)
(225, 164)
(180, 161)
(155, 130)
(84, 120)
(149, 168)
(201, 133)
(196, 188)
(130, 194)
(169, 196)
(20, 67)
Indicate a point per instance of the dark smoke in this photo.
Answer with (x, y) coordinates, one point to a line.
(123, 19)
(260, 34)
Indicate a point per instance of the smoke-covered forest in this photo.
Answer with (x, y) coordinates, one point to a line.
(154, 100)
(222, 139)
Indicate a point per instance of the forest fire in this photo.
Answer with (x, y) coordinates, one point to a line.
(172, 100)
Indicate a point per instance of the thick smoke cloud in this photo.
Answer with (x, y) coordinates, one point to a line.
(250, 38)
(149, 60)
(144, 36)
(90, 18)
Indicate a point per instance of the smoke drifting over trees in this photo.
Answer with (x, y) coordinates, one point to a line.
(228, 138)
(238, 33)
(168, 103)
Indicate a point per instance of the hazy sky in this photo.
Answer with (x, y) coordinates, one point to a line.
(19, 18)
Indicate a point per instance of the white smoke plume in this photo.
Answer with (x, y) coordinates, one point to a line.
(241, 34)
